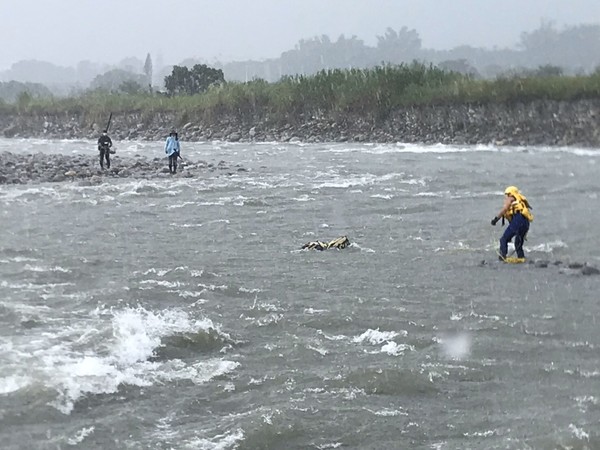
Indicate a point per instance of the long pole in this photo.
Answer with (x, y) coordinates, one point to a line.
(108, 124)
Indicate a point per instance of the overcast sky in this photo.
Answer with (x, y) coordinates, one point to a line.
(67, 31)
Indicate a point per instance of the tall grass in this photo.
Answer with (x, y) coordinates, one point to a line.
(367, 92)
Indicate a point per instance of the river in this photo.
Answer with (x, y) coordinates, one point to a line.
(180, 313)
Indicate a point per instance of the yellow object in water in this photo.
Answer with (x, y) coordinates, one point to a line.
(513, 260)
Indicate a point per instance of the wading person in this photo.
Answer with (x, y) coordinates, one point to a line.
(516, 209)
(104, 145)
(172, 150)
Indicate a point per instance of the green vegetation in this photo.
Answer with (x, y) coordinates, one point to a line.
(334, 93)
(200, 78)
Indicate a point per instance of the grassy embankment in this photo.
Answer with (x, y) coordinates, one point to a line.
(369, 93)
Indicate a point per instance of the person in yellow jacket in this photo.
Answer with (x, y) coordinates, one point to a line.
(516, 209)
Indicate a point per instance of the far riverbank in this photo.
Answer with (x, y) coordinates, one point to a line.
(539, 122)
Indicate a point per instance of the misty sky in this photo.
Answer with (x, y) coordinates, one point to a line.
(106, 31)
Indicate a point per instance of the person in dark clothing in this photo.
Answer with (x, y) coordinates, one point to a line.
(104, 145)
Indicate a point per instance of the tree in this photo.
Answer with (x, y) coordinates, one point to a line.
(115, 79)
(461, 66)
(130, 87)
(13, 91)
(131, 64)
(148, 69)
(23, 100)
(190, 82)
(34, 71)
(541, 40)
(548, 70)
(399, 46)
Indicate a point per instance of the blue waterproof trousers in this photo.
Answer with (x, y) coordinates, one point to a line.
(517, 228)
(173, 162)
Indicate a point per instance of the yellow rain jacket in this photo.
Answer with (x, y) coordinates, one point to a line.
(520, 204)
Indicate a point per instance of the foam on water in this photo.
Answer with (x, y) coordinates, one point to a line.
(382, 149)
(43, 269)
(549, 247)
(336, 180)
(33, 286)
(13, 383)
(219, 442)
(375, 337)
(18, 194)
(74, 362)
(81, 435)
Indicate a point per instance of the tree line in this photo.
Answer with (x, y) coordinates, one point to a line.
(546, 51)
(574, 49)
(340, 94)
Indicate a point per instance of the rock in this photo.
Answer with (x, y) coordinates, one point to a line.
(589, 270)
(40, 167)
(10, 131)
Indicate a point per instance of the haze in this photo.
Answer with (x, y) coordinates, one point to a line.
(65, 32)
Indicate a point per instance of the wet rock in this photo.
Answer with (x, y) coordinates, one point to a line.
(234, 137)
(580, 269)
(30, 323)
(41, 168)
(571, 269)
(10, 131)
(589, 270)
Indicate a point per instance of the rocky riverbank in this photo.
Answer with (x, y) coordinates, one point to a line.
(40, 168)
(566, 268)
(539, 122)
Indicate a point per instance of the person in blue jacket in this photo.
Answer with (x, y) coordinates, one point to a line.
(172, 150)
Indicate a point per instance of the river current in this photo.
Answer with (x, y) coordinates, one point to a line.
(180, 313)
